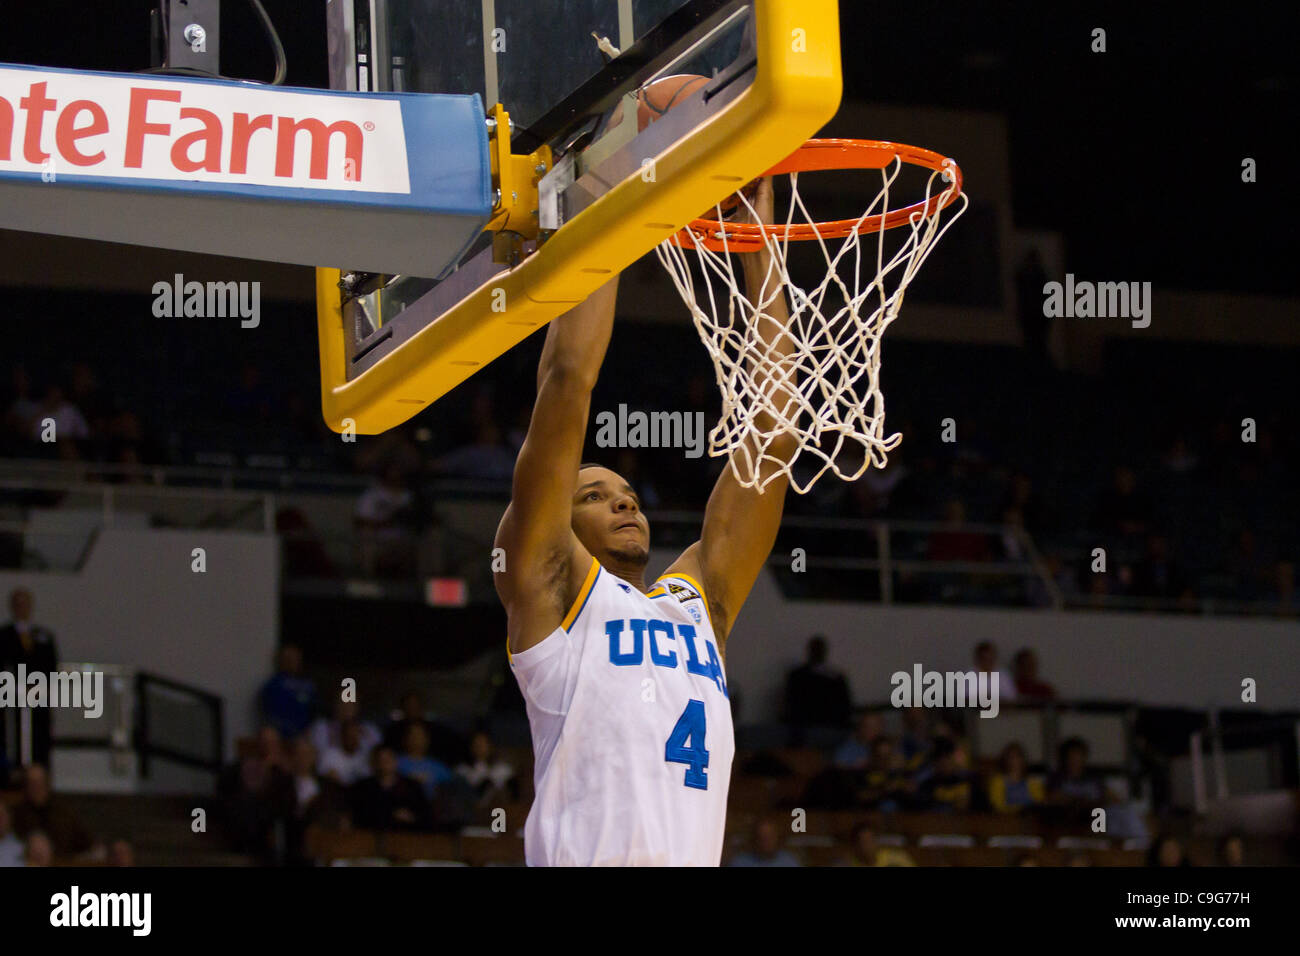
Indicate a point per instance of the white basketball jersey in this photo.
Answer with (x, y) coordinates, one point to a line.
(631, 727)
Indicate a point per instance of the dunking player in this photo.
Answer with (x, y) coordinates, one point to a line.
(624, 682)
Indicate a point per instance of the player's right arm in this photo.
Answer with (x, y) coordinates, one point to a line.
(545, 563)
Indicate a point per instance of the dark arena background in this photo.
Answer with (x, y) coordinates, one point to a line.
(1102, 511)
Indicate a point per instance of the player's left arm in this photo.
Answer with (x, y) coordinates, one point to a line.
(740, 524)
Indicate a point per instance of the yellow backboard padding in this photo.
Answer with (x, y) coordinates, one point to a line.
(795, 93)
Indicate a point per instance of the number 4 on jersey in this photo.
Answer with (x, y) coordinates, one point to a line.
(690, 727)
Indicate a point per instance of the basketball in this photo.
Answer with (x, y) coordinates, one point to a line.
(658, 97)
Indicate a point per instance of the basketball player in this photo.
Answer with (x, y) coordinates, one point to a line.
(624, 679)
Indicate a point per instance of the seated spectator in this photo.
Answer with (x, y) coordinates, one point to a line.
(22, 408)
(387, 800)
(1166, 852)
(41, 810)
(487, 456)
(68, 422)
(40, 850)
(918, 738)
(1029, 689)
(1231, 850)
(1074, 790)
(1122, 510)
(314, 800)
(855, 752)
(816, 694)
(445, 744)
(883, 784)
(1012, 789)
(11, 848)
(349, 760)
(986, 661)
(866, 852)
(492, 779)
(386, 522)
(767, 848)
(121, 853)
(255, 794)
(955, 542)
(947, 785)
(415, 762)
(289, 698)
(1157, 575)
(327, 732)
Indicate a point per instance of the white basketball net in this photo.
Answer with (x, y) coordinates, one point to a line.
(828, 389)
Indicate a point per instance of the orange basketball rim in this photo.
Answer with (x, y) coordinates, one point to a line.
(818, 155)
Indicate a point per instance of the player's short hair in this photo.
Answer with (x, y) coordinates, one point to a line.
(590, 464)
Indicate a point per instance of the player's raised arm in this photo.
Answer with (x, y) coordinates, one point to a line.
(740, 525)
(545, 563)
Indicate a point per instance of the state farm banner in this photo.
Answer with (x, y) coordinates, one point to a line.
(244, 169)
(152, 128)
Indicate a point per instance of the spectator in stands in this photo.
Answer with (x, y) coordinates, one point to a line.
(1231, 850)
(256, 794)
(23, 641)
(1122, 510)
(415, 763)
(289, 698)
(387, 522)
(1075, 789)
(59, 417)
(22, 409)
(387, 800)
(11, 848)
(327, 732)
(1157, 575)
(121, 853)
(40, 850)
(41, 811)
(492, 779)
(855, 752)
(445, 744)
(883, 784)
(1166, 852)
(947, 786)
(918, 738)
(816, 694)
(1029, 689)
(955, 542)
(767, 849)
(866, 852)
(986, 661)
(487, 456)
(349, 760)
(314, 799)
(1012, 789)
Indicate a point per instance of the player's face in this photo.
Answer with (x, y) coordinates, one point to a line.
(607, 516)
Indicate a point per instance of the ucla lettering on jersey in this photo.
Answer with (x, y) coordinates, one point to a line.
(631, 723)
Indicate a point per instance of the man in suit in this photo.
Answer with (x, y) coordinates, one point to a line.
(24, 642)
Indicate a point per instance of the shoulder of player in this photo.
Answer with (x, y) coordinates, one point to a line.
(688, 568)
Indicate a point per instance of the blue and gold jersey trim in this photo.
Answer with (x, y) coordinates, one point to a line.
(584, 594)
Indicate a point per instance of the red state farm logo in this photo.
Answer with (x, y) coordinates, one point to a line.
(128, 128)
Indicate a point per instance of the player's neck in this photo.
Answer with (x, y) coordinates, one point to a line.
(628, 571)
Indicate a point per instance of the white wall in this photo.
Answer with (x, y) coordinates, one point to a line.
(1153, 659)
(136, 602)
